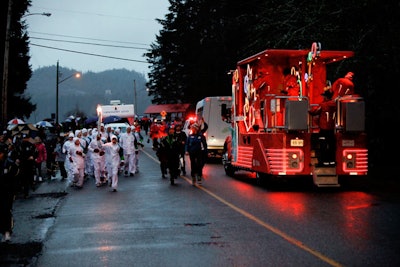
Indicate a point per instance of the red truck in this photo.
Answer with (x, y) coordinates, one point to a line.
(273, 133)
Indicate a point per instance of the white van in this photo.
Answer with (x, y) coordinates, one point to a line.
(209, 108)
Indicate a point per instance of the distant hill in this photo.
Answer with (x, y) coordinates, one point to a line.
(85, 93)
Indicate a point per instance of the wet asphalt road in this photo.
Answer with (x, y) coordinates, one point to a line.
(148, 222)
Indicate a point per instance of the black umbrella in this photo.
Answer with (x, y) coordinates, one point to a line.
(91, 120)
(111, 119)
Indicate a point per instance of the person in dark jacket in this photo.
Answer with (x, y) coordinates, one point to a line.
(327, 143)
(27, 154)
(168, 152)
(196, 148)
(8, 189)
(182, 137)
(60, 157)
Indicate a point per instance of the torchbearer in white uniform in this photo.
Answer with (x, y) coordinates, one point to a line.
(65, 149)
(129, 145)
(113, 161)
(95, 147)
(77, 159)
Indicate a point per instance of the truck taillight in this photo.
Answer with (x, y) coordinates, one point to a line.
(349, 160)
(355, 161)
(294, 160)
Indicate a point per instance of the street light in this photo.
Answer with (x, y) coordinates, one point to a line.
(58, 81)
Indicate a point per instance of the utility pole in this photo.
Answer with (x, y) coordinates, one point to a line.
(4, 93)
(134, 100)
(57, 83)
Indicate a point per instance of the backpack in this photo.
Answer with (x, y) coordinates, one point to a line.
(196, 143)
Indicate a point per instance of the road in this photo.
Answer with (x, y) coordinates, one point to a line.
(224, 222)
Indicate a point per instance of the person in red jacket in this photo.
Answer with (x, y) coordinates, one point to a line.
(343, 86)
(327, 115)
(42, 157)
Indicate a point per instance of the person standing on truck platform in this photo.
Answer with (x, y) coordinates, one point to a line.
(291, 84)
(327, 112)
(196, 148)
(343, 86)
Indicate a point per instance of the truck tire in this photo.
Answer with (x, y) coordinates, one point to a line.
(229, 169)
(263, 179)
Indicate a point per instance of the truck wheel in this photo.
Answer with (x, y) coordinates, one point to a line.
(262, 178)
(229, 170)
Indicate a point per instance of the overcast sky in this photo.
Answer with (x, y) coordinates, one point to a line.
(127, 27)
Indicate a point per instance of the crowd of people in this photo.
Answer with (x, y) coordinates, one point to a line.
(172, 144)
(102, 153)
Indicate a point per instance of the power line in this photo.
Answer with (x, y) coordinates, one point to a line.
(76, 42)
(86, 38)
(90, 54)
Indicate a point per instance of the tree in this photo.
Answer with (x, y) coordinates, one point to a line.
(201, 40)
(19, 71)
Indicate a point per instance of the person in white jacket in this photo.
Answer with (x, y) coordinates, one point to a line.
(65, 149)
(88, 158)
(129, 145)
(77, 159)
(139, 139)
(95, 148)
(113, 161)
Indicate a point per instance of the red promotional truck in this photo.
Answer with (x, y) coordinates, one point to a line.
(273, 133)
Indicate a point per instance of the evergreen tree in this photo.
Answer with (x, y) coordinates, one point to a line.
(201, 40)
(19, 71)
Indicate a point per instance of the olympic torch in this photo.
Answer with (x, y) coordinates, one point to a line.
(99, 118)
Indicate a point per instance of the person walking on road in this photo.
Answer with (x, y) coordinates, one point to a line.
(27, 154)
(169, 145)
(77, 159)
(65, 149)
(196, 148)
(40, 159)
(60, 157)
(88, 159)
(154, 133)
(129, 145)
(182, 137)
(139, 141)
(113, 160)
(95, 147)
